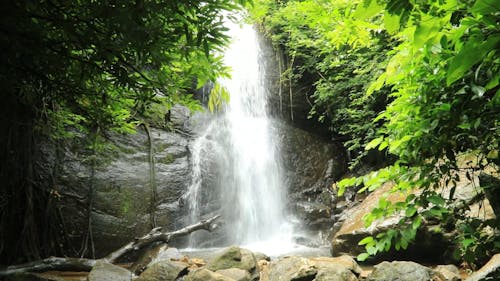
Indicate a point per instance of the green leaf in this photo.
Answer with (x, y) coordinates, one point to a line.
(343, 184)
(404, 243)
(445, 107)
(416, 223)
(383, 145)
(436, 199)
(366, 240)
(436, 212)
(373, 143)
(362, 256)
(467, 242)
(471, 53)
(478, 90)
(410, 211)
(425, 30)
(367, 9)
(377, 85)
(493, 82)
(391, 22)
(485, 7)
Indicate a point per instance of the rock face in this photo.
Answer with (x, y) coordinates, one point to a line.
(103, 271)
(401, 271)
(122, 188)
(311, 165)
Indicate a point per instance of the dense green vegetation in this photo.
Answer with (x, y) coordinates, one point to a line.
(415, 80)
(83, 69)
(410, 84)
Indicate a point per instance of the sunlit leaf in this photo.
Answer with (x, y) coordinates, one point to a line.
(391, 22)
(472, 52)
(367, 9)
(362, 256)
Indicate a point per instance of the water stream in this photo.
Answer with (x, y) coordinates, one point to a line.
(236, 165)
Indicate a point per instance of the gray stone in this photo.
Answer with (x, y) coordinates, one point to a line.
(164, 270)
(400, 271)
(318, 269)
(261, 256)
(449, 272)
(336, 269)
(103, 271)
(148, 256)
(235, 274)
(233, 257)
(206, 275)
(292, 268)
(179, 115)
(122, 188)
(490, 271)
(345, 261)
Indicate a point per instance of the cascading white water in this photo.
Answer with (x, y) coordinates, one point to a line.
(240, 145)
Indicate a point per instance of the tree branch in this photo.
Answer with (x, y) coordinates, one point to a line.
(156, 234)
(81, 264)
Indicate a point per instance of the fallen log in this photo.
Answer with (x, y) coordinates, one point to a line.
(156, 234)
(82, 264)
(51, 263)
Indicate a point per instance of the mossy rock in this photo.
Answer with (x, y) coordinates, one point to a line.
(206, 275)
(164, 271)
(234, 257)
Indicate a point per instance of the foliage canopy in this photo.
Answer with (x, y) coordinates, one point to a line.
(415, 80)
(85, 68)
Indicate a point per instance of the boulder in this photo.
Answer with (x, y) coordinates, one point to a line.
(432, 243)
(263, 267)
(261, 256)
(345, 241)
(103, 271)
(206, 275)
(164, 270)
(402, 271)
(449, 272)
(314, 269)
(292, 268)
(490, 271)
(233, 257)
(235, 274)
(344, 261)
(148, 256)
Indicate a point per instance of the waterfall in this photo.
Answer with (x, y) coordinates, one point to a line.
(236, 165)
